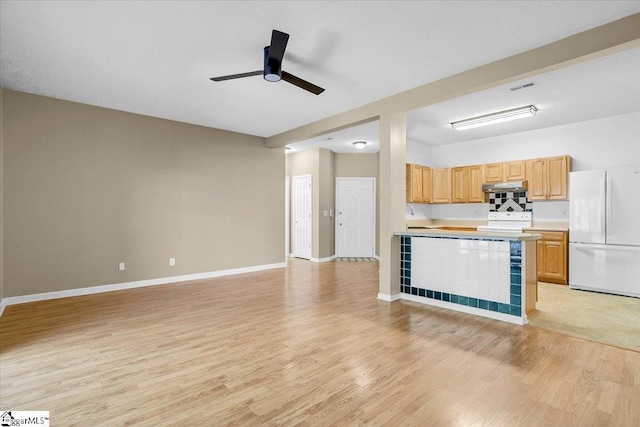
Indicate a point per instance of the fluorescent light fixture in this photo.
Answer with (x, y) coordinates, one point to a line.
(360, 145)
(493, 118)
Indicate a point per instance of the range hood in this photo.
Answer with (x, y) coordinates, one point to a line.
(499, 187)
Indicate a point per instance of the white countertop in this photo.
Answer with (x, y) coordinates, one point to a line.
(472, 234)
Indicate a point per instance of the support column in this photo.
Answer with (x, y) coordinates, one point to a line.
(393, 149)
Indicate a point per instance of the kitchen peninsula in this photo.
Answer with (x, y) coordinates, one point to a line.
(488, 274)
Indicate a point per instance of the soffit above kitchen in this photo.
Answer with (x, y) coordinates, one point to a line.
(155, 58)
(600, 88)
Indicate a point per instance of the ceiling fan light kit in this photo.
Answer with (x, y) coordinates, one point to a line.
(493, 118)
(272, 66)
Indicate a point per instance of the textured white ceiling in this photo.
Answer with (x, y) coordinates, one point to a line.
(155, 58)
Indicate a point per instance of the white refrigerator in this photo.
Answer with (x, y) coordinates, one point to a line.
(604, 231)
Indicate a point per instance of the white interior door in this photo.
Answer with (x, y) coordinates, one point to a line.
(302, 205)
(355, 222)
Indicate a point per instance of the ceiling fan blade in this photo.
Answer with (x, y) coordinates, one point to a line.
(316, 90)
(236, 76)
(276, 49)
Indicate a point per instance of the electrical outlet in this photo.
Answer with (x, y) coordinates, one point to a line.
(121, 266)
(172, 261)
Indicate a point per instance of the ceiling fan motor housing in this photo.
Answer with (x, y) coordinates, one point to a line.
(272, 72)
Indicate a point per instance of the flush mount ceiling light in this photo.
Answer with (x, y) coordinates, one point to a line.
(493, 118)
(360, 145)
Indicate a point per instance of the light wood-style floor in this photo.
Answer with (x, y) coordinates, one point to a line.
(610, 319)
(306, 345)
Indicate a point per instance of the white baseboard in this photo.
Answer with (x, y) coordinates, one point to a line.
(291, 256)
(387, 297)
(131, 285)
(377, 257)
(329, 258)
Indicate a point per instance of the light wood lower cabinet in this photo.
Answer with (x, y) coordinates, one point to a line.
(552, 252)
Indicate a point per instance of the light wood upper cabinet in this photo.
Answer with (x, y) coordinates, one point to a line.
(414, 183)
(458, 185)
(515, 171)
(537, 179)
(548, 178)
(426, 185)
(557, 182)
(474, 184)
(494, 172)
(441, 178)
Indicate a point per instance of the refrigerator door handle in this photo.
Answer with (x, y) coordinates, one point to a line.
(609, 214)
(588, 246)
(603, 213)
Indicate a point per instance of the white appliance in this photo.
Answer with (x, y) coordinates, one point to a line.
(604, 231)
(507, 222)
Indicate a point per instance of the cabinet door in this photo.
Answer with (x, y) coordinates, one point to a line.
(408, 184)
(441, 185)
(494, 172)
(458, 184)
(474, 184)
(515, 171)
(557, 170)
(426, 185)
(537, 177)
(540, 261)
(416, 183)
(554, 260)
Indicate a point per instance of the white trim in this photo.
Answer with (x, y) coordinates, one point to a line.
(466, 309)
(329, 258)
(287, 212)
(3, 304)
(376, 257)
(138, 284)
(292, 256)
(335, 229)
(390, 298)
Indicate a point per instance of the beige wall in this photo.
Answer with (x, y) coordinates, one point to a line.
(319, 163)
(327, 247)
(325, 166)
(361, 166)
(305, 163)
(1, 197)
(86, 188)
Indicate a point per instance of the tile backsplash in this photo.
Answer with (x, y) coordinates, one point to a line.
(511, 201)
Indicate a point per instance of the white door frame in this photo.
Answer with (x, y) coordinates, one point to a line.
(373, 236)
(310, 235)
(287, 213)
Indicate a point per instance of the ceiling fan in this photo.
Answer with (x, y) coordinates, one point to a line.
(272, 71)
